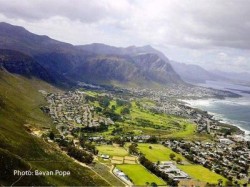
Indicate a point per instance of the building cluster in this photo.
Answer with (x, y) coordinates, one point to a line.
(70, 112)
(229, 157)
(171, 170)
(165, 103)
(182, 91)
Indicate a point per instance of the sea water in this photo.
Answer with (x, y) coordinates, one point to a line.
(235, 111)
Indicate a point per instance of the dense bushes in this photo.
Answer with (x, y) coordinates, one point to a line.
(80, 155)
(153, 168)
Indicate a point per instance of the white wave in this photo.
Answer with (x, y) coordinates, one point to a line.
(203, 103)
(236, 123)
(199, 102)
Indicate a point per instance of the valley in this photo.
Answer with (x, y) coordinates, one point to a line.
(99, 115)
(113, 126)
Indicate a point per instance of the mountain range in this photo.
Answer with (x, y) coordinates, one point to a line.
(196, 74)
(64, 64)
(95, 63)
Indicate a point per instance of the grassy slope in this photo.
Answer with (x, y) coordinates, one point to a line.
(106, 171)
(19, 105)
(140, 175)
(112, 150)
(173, 126)
(183, 130)
(201, 173)
(158, 152)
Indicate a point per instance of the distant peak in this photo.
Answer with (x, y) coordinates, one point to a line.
(147, 46)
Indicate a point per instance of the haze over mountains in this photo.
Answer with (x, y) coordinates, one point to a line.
(79, 63)
(18, 63)
(65, 64)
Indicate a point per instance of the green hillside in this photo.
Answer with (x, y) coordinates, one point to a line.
(19, 150)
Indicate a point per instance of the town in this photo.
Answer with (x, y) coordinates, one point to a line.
(83, 114)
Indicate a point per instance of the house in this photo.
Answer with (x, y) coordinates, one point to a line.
(104, 156)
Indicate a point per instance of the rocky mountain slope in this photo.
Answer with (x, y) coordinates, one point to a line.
(139, 66)
(195, 74)
(18, 63)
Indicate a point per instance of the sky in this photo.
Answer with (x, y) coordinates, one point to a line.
(214, 34)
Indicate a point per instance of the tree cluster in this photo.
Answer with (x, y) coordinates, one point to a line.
(120, 102)
(89, 146)
(104, 101)
(133, 149)
(80, 155)
(152, 139)
(112, 115)
(153, 168)
(118, 140)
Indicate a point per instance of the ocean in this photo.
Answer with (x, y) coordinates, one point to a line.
(235, 111)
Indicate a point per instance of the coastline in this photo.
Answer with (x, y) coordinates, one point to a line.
(216, 116)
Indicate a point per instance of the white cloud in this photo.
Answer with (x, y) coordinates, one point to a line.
(189, 31)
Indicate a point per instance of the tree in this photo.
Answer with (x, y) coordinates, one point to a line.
(152, 139)
(172, 156)
(178, 160)
(80, 155)
(125, 111)
(98, 109)
(113, 107)
(51, 135)
(220, 181)
(119, 141)
(104, 101)
(133, 149)
(153, 184)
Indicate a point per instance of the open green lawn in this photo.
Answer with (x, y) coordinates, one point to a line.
(140, 175)
(187, 133)
(201, 173)
(157, 119)
(161, 153)
(151, 123)
(158, 152)
(112, 150)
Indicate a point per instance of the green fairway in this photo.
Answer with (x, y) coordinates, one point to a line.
(112, 150)
(140, 175)
(201, 173)
(187, 133)
(166, 125)
(158, 152)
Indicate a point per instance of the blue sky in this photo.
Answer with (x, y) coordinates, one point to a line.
(213, 34)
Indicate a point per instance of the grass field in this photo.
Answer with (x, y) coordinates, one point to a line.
(139, 175)
(187, 133)
(154, 124)
(173, 126)
(112, 150)
(158, 152)
(161, 153)
(201, 173)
